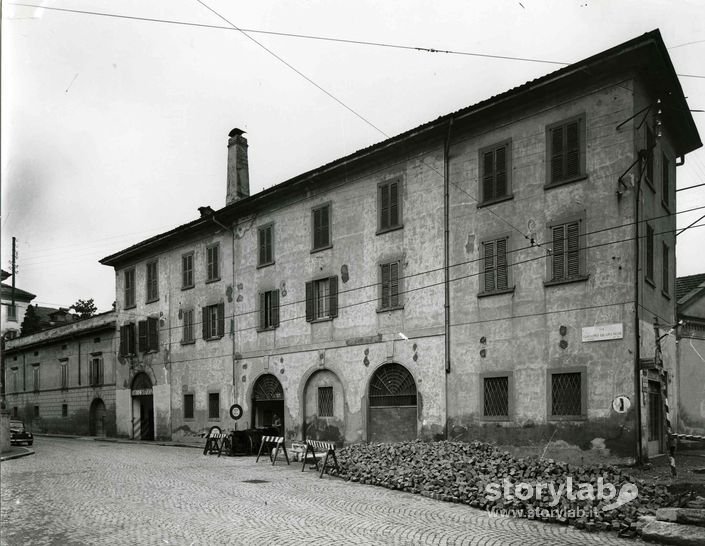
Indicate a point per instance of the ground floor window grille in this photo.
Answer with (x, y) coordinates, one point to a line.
(496, 396)
(325, 401)
(392, 385)
(566, 394)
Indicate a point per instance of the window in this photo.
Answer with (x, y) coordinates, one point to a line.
(95, 372)
(665, 271)
(129, 288)
(566, 394)
(15, 380)
(188, 406)
(390, 297)
(495, 267)
(325, 401)
(212, 263)
(36, 411)
(321, 227)
(35, 377)
(213, 405)
(566, 151)
(566, 259)
(188, 336)
(265, 244)
(268, 309)
(389, 205)
(650, 148)
(148, 335)
(187, 270)
(64, 364)
(15, 412)
(322, 299)
(64, 410)
(649, 253)
(127, 339)
(665, 182)
(152, 282)
(12, 312)
(496, 396)
(495, 173)
(214, 321)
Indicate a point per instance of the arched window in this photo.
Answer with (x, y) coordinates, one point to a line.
(392, 385)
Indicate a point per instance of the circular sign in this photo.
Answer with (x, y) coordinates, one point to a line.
(235, 411)
(621, 404)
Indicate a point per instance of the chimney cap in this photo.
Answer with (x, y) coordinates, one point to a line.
(205, 211)
(235, 132)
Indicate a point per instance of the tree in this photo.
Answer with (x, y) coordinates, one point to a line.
(31, 323)
(84, 308)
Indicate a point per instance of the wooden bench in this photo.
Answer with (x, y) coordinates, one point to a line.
(272, 442)
(215, 441)
(324, 450)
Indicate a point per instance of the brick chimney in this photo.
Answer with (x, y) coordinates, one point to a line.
(238, 171)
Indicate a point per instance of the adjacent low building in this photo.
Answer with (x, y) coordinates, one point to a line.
(62, 380)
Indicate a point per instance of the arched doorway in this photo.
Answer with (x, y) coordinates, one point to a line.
(142, 408)
(392, 408)
(96, 418)
(324, 407)
(268, 403)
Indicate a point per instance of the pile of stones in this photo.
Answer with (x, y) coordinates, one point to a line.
(485, 477)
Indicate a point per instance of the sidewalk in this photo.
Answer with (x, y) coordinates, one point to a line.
(15, 452)
(197, 443)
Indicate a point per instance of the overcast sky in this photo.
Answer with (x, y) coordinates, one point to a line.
(114, 129)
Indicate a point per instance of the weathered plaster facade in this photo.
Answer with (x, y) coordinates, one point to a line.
(67, 398)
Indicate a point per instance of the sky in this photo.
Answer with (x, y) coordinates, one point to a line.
(115, 129)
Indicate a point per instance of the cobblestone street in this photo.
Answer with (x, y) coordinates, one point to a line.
(79, 491)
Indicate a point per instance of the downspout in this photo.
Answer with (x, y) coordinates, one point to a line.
(446, 261)
(637, 331)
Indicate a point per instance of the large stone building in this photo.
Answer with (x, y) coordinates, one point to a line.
(494, 273)
(62, 380)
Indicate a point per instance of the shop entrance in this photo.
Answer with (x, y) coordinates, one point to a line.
(142, 408)
(268, 404)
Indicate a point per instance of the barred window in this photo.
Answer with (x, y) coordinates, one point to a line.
(325, 401)
(567, 390)
(496, 396)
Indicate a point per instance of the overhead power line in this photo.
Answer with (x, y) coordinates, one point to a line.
(421, 49)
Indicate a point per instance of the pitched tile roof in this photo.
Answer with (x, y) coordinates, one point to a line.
(685, 285)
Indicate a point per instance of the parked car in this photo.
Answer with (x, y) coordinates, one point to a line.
(19, 434)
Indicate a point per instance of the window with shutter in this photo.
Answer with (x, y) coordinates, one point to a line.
(214, 321)
(389, 205)
(650, 152)
(265, 242)
(665, 181)
(566, 151)
(649, 253)
(212, 263)
(152, 282)
(495, 171)
(390, 295)
(129, 288)
(142, 336)
(188, 334)
(269, 309)
(152, 334)
(495, 266)
(322, 299)
(187, 270)
(566, 257)
(665, 269)
(321, 227)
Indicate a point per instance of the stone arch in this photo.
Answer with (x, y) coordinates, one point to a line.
(267, 397)
(392, 404)
(323, 404)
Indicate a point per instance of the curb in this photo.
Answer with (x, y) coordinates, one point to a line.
(9, 456)
(121, 440)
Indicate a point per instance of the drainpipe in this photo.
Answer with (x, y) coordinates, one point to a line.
(637, 332)
(446, 258)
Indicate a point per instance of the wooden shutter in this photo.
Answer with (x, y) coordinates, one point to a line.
(572, 153)
(221, 319)
(152, 334)
(131, 349)
(262, 309)
(123, 340)
(556, 154)
(384, 206)
(558, 266)
(488, 176)
(204, 323)
(573, 255)
(275, 308)
(261, 245)
(91, 376)
(309, 301)
(268, 243)
(333, 296)
(142, 336)
(489, 266)
(394, 284)
(502, 269)
(501, 172)
(394, 204)
(325, 226)
(385, 286)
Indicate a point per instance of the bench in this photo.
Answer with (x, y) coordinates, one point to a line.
(272, 442)
(215, 442)
(324, 450)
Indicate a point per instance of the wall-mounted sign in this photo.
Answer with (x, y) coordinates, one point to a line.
(142, 392)
(603, 333)
(621, 404)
